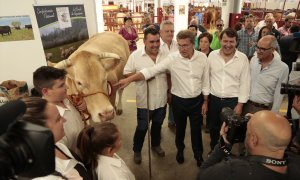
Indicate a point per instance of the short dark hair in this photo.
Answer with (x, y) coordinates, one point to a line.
(295, 28)
(230, 33)
(192, 25)
(127, 18)
(150, 30)
(205, 34)
(45, 76)
(186, 34)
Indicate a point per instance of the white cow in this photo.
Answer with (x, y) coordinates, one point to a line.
(92, 70)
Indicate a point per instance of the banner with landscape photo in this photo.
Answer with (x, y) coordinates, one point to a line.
(15, 28)
(63, 29)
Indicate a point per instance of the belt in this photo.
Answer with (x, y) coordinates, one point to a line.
(259, 105)
(224, 99)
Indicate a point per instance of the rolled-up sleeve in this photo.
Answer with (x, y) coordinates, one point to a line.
(245, 81)
(156, 69)
(278, 97)
(205, 80)
(129, 67)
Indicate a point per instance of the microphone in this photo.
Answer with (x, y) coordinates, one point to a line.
(9, 113)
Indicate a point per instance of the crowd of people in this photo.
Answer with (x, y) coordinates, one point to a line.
(241, 69)
(196, 76)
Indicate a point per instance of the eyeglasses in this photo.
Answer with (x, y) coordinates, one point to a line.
(219, 25)
(262, 49)
(184, 46)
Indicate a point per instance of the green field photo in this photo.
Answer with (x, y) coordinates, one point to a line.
(18, 35)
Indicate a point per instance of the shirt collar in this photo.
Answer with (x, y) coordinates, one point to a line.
(235, 56)
(61, 109)
(270, 63)
(145, 54)
(192, 58)
(114, 161)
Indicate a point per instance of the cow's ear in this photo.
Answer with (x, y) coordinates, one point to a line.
(109, 63)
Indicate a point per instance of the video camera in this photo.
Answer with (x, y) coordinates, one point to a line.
(26, 149)
(237, 125)
(291, 88)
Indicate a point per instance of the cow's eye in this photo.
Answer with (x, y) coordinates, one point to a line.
(79, 83)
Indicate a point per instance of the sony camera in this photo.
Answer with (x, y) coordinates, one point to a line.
(26, 149)
(237, 125)
(290, 89)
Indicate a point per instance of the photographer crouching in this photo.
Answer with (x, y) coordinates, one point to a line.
(267, 137)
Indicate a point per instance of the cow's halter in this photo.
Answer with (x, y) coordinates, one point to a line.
(77, 98)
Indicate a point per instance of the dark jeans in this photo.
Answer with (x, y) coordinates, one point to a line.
(157, 116)
(215, 106)
(183, 108)
(171, 116)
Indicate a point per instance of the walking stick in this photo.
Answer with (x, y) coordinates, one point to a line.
(149, 134)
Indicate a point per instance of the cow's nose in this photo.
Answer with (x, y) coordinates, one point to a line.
(106, 115)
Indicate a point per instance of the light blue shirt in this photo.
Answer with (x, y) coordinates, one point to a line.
(266, 83)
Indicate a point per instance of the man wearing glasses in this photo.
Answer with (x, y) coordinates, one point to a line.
(215, 44)
(190, 78)
(267, 73)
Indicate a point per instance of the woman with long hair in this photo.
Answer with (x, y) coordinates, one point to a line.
(98, 145)
(40, 112)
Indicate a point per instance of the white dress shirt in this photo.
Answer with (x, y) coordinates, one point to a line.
(231, 79)
(266, 83)
(165, 49)
(113, 168)
(72, 126)
(158, 86)
(189, 77)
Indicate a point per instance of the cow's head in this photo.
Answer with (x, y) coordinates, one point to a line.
(87, 74)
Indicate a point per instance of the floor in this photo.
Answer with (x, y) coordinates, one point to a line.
(165, 168)
(162, 168)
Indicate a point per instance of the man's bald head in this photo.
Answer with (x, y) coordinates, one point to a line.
(272, 131)
(270, 40)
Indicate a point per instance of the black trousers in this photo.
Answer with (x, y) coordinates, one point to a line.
(215, 105)
(183, 108)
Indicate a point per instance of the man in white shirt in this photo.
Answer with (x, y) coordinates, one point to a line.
(267, 73)
(167, 46)
(229, 81)
(263, 23)
(189, 76)
(138, 60)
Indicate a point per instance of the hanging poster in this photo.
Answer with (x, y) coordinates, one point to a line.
(181, 9)
(63, 29)
(15, 28)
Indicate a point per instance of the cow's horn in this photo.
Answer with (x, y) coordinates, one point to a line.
(109, 55)
(63, 64)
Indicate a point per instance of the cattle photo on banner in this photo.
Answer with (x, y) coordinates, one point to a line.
(63, 29)
(15, 28)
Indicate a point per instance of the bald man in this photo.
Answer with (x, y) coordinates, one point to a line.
(267, 73)
(268, 134)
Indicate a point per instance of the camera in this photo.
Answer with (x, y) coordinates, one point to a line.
(237, 125)
(26, 149)
(296, 66)
(290, 89)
